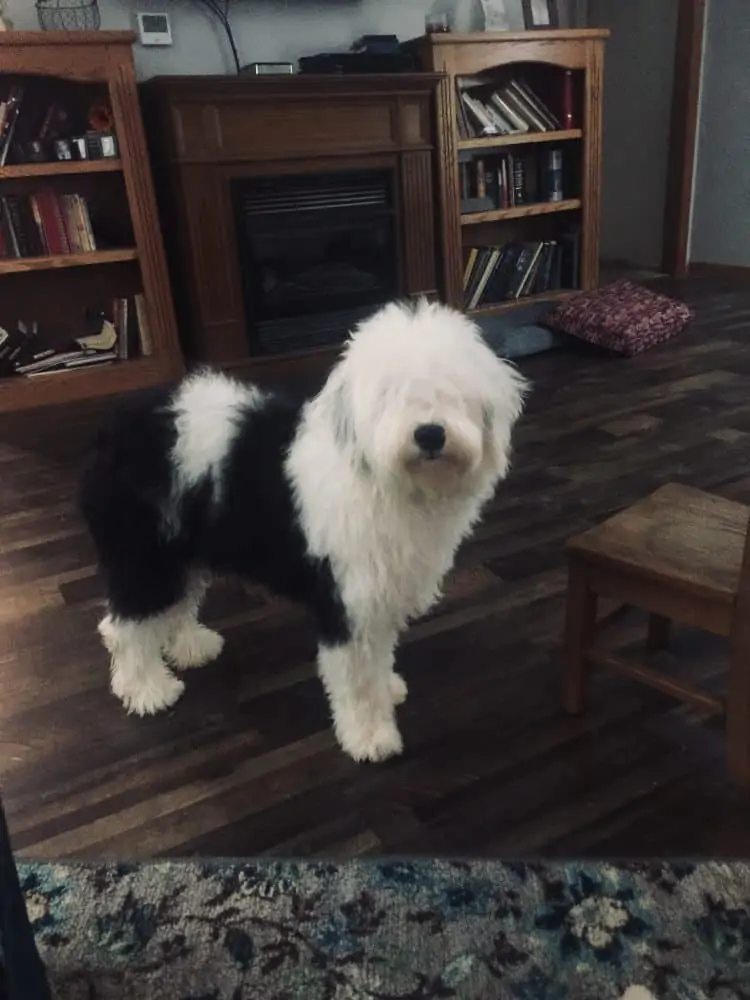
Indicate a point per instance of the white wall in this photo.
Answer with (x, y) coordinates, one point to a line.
(265, 29)
(638, 74)
(720, 232)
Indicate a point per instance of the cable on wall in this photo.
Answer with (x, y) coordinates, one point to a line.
(220, 10)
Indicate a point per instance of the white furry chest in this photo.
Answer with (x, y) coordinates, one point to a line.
(389, 556)
(398, 563)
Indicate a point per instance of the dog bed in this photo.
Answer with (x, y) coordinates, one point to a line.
(622, 317)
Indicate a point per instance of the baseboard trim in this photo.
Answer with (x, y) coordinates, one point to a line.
(733, 272)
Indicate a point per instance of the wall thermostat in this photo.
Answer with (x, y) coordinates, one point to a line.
(154, 29)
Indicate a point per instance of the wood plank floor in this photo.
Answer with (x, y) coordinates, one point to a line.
(246, 764)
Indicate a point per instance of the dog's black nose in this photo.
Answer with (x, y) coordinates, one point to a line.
(430, 438)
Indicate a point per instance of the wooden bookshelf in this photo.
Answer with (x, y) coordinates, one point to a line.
(543, 59)
(56, 289)
(17, 393)
(500, 307)
(521, 211)
(63, 168)
(16, 265)
(523, 139)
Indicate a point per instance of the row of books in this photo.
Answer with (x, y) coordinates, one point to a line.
(44, 224)
(9, 112)
(511, 179)
(496, 274)
(484, 109)
(121, 332)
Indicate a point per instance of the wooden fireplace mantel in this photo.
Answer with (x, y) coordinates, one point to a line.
(205, 132)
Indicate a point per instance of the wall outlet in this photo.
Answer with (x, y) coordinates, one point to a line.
(154, 29)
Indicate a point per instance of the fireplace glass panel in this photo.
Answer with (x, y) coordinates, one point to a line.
(318, 253)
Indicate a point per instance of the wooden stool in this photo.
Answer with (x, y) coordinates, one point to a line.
(680, 555)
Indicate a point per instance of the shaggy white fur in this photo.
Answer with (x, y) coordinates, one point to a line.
(389, 518)
(207, 409)
(384, 473)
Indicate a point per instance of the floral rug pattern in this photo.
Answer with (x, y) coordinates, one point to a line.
(392, 930)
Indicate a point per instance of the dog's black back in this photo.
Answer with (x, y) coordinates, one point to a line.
(149, 537)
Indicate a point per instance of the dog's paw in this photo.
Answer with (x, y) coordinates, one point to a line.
(374, 742)
(155, 691)
(194, 646)
(397, 687)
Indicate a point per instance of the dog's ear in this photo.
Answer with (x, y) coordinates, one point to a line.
(501, 410)
(340, 414)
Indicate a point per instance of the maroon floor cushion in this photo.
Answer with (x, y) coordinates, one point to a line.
(622, 317)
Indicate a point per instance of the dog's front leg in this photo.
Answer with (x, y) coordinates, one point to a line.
(362, 691)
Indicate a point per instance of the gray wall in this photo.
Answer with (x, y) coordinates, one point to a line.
(265, 29)
(639, 64)
(721, 202)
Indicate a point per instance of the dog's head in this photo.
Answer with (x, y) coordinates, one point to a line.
(420, 399)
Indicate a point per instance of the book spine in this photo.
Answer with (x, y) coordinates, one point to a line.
(568, 121)
(554, 180)
(518, 181)
(9, 122)
(52, 222)
(22, 241)
(77, 216)
(10, 235)
(85, 222)
(481, 179)
(69, 223)
(122, 332)
(38, 221)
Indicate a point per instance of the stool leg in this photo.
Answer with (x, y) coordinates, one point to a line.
(738, 707)
(658, 633)
(580, 623)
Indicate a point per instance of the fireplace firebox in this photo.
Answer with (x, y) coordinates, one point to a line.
(317, 253)
(292, 207)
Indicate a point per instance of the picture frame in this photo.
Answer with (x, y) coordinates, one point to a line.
(541, 14)
(495, 15)
(63, 149)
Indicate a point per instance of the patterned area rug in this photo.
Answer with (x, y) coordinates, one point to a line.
(392, 930)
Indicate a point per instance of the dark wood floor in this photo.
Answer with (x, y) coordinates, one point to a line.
(246, 763)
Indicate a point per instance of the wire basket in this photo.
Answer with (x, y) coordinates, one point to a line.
(68, 15)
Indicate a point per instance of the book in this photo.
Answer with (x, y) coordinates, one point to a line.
(539, 107)
(568, 115)
(554, 176)
(522, 110)
(67, 361)
(519, 180)
(470, 261)
(484, 120)
(120, 323)
(45, 224)
(8, 119)
(19, 346)
(509, 112)
(509, 179)
(486, 107)
(516, 270)
(487, 271)
(145, 340)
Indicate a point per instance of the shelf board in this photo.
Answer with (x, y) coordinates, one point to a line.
(521, 211)
(18, 265)
(500, 307)
(20, 393)
(60, 168)
(521, 139)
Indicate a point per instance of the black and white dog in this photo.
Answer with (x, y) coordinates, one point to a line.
(353, 504)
